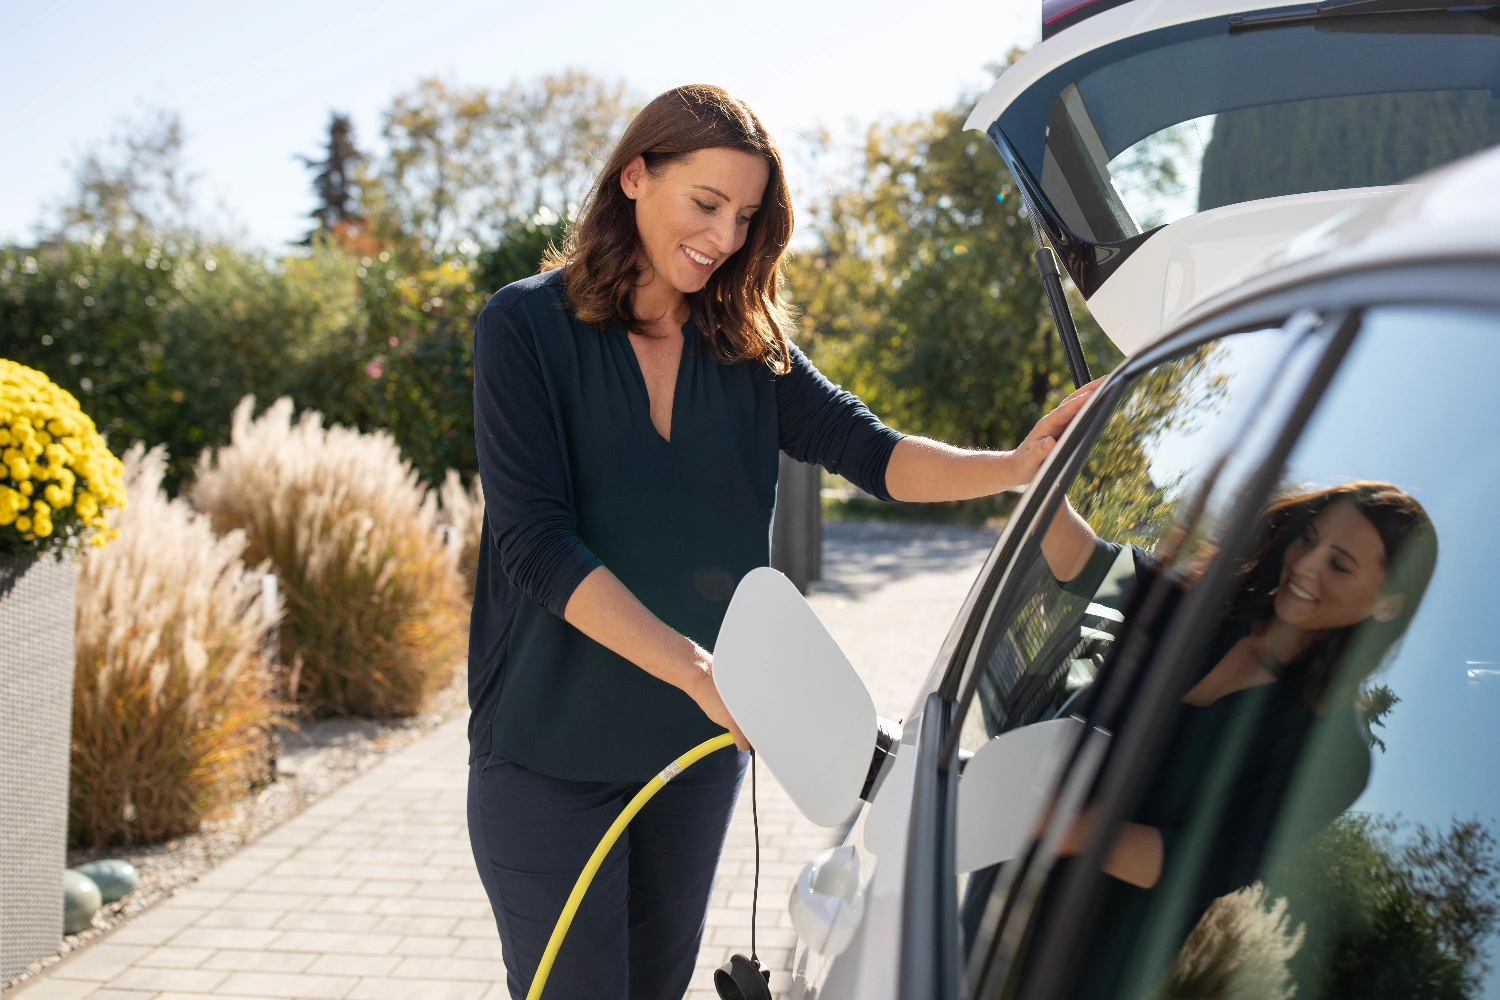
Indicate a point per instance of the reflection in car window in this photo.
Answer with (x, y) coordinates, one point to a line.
(1171, 424)
(1322, 819)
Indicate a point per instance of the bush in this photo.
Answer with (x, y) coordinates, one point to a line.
(171, 704)
(463, 509)
(375, 616)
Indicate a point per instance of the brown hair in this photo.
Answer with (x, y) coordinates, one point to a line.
(1411, 549)
(739, 311)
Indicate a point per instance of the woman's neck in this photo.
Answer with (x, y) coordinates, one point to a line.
(658, 306)
(1278, 643)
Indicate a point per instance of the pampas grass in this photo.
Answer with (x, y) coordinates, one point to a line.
(375, 618)
(463, 509)
(171, 694)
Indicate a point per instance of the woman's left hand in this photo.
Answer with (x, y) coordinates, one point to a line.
(1031, 452)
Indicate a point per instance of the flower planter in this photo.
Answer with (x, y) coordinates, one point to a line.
(36, 712)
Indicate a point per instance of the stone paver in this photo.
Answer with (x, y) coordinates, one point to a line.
(371, 893)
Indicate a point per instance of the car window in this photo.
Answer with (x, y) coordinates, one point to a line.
(1321, 817)
(1162, 125)
(1157, 447)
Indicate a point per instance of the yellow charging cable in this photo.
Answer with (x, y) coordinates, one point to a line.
(585, 877)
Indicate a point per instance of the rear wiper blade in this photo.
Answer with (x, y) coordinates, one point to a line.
(1329, 11)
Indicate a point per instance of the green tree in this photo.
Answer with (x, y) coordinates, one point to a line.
(1391, 919)
(921, 294)
(336, 181)
(463, 163)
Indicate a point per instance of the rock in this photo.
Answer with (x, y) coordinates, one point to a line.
(81, 900)
(113, 877)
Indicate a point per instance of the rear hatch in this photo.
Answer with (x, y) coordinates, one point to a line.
(1216, 133)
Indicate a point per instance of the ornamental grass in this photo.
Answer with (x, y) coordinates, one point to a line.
(463, 509)
(375, 619)
(171, 696)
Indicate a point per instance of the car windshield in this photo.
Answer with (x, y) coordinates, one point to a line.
(1158, 127)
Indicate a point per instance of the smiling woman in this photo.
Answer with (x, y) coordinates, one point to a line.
(630, 404)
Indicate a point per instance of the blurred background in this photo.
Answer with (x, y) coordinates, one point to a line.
(314, 200)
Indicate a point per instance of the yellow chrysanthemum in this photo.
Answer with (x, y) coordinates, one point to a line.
(54, 465)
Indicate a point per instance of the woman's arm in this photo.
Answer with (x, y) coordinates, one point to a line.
(1136, 855)
(923, 470)
(604, 610)
(1068, 543)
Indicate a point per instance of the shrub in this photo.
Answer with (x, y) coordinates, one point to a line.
(463, 509)
(171, 703)
(375, 617)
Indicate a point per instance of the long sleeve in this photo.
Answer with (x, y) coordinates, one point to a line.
(528, 497)
(825, 425)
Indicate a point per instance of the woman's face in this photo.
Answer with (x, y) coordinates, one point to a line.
(696, 212)
(1331, 576)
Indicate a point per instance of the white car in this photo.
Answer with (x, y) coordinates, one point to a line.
(1217, 737)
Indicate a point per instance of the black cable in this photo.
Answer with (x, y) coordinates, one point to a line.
(755, 886)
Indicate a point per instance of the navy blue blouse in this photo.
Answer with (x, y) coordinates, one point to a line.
(575, 475)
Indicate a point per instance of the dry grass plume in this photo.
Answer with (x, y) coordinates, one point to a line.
(375, 619)
(171, 695)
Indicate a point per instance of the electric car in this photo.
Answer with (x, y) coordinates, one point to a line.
(1288, 221)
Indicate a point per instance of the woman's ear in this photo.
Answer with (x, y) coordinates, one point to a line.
(633, 177)
(1388, 607)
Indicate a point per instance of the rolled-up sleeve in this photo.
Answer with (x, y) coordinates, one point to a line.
(825, 425)
(528, 501)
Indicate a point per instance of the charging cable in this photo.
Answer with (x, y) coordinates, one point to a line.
(585, 877)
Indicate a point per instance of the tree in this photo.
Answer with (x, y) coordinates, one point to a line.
(133, 185)
(336, 184)
(464, 163)
(921, 294)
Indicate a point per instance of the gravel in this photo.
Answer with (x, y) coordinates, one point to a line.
(313, 758)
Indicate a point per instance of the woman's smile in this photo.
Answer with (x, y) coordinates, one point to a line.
(700, 260)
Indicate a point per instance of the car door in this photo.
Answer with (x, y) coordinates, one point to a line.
(1317, 838)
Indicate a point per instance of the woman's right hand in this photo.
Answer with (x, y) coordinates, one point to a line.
(706, 694)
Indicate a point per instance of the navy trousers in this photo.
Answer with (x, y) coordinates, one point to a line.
(637, 933)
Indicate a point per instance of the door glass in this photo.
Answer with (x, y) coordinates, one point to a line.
(1322, 819)
(1154, 453)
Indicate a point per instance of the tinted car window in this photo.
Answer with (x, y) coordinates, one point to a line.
(1321, 819)
(1155, 450)
(1158, 126)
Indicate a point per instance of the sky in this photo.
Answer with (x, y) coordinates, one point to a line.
(254, 83)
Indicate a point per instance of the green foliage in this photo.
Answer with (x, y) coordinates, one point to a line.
(1384, 919)
(1114, 491)
(921, 295)
(158, 339)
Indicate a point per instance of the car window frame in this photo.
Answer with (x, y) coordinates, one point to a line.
(1045, 969)
(1461, 279)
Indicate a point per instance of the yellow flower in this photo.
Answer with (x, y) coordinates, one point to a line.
(26, 488)
(87, 506)
(23, 523)
(57, 496)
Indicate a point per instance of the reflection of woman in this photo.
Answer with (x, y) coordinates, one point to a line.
(629, 407)
(1337, 577)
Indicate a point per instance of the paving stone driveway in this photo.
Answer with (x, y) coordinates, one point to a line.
(371, 893)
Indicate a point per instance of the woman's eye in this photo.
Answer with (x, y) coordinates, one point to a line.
(744, 220)
(707, 207)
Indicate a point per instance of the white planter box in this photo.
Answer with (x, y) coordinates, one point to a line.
(36, 714)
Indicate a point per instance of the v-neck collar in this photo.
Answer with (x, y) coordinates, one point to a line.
(689, 331)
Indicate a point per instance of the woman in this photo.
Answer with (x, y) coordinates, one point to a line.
(1336, 579)
(630, 402)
